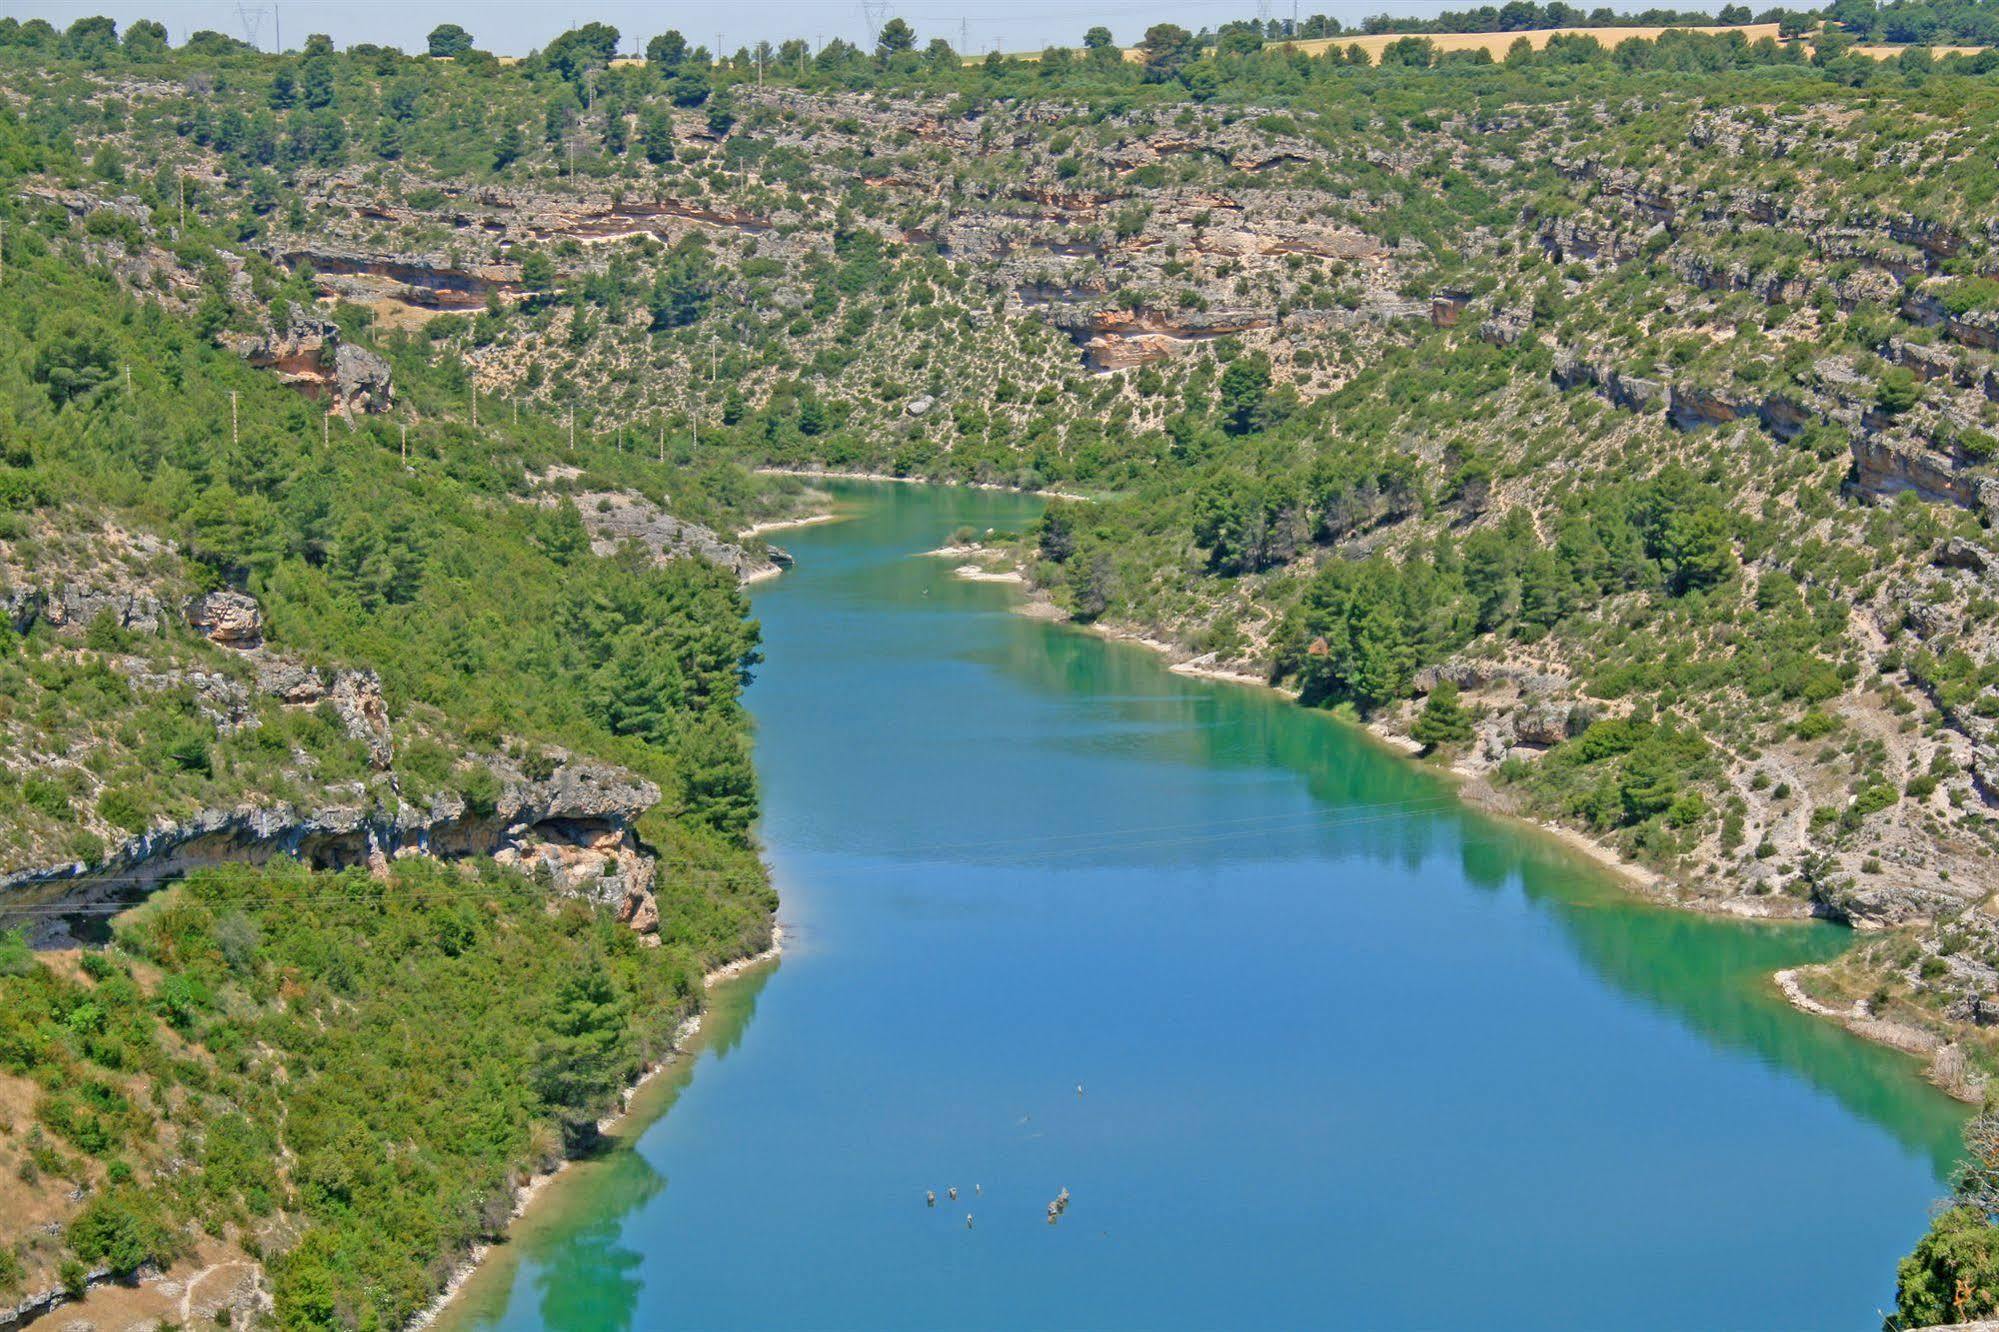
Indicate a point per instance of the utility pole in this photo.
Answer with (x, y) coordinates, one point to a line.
(406, 444)
(235, 436)
(572, 430)
(475, 405)
(326, 431)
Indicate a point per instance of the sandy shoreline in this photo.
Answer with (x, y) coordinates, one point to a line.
(525, 1195)
(786, 524)
(973, 573)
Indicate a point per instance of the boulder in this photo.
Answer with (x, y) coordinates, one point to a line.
(290, 681)
(228, 619)
(362, 378)
(1958, 553)
(1542, 724)
(20, 605)
(1926, 621)
(1985, 771)
(1506, 327)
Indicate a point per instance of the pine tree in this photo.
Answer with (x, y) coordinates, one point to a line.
(1443, 720)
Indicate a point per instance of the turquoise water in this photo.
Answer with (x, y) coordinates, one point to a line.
(1350, 1055)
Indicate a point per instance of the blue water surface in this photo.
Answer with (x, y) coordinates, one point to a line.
(1350, 1055)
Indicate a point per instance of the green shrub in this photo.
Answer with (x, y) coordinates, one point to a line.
(1953, 1275)
(122, 1229)
(1872, 799)
(122, 807)
(16, 958)
(46, 797)
(481, 789)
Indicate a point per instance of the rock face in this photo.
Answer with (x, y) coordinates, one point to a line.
(1889, 456)
(575, 820)
(1884, 465)
(228, 619)
(570, 816)
(357, 697)
(75, 604)
(105, 576)
(1958, 553)
(308, 353)
(1119, 339)
(1543, 725)
(615, 517)
(362, 378)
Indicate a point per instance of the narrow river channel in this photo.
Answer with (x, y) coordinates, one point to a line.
(1349, 1055)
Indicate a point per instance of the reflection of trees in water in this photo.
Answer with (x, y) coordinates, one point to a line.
(1715, 976)
(731, 1009)
(1710, 974)
(1140, 713)
(586, 1279)
(591, 1281)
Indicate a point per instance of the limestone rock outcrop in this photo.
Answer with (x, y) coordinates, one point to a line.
(576, 818)
(308, 353)
(615, 517)
(228, 619)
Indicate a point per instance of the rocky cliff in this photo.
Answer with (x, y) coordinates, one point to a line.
(566, 817)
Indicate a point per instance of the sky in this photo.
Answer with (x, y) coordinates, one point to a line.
(512, 27)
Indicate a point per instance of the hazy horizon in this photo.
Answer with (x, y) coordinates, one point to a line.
(514, 29)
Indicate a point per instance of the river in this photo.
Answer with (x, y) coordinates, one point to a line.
(1349, 1054)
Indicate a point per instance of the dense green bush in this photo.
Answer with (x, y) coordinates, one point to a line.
(459, 1015)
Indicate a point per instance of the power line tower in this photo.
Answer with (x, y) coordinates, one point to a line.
(876, 14)
(251, 17)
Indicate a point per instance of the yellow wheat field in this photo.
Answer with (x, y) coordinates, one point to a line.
(1498, 43)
